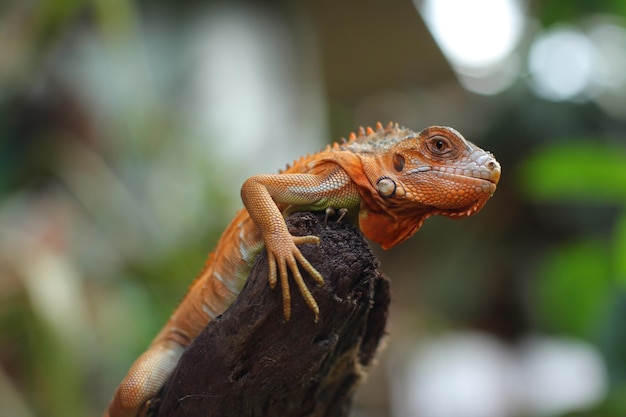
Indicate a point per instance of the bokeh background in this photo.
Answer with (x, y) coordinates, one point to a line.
(127, 128)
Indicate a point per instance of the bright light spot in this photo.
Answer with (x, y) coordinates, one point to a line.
(609, 37)
(561, 64)
(235, 75)
(476, 375)
(461, 375)
(496, 79)
(474, 34)
(562, 376)
(246, 94)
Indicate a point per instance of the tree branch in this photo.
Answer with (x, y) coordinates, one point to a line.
(249, 362)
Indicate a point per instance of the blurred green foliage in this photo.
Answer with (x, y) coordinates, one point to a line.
(589, 172)
(551, 12)
(581, 284)
(586, 273)
(574, 288)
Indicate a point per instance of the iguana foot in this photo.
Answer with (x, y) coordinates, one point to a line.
(331, 212)
(284, 258)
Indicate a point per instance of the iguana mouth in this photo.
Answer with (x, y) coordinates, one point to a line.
(478, 182)
(492, 176)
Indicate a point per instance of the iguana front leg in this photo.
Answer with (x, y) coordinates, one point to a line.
(260, 195)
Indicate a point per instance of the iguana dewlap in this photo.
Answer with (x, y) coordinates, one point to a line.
(389, 180)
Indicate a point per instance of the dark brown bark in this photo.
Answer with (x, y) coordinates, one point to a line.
(250, 362)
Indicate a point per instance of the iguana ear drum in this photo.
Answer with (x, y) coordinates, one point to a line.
(386, 187)
(398, 162)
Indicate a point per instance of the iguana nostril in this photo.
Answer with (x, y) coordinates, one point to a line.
(494, 167)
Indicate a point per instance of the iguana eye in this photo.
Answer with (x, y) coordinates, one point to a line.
(440, 145)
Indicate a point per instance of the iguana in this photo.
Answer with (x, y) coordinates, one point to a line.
(388, 180)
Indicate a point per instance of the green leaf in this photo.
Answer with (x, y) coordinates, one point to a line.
(584, 172)
(619, 251)
(574, 288)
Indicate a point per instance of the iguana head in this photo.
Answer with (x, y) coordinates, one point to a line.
(412, 176)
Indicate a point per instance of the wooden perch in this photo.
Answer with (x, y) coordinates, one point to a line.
(250, 362)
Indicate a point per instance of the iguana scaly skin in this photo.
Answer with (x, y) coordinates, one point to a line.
(389, 180)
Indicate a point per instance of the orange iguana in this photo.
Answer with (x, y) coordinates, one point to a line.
(389, 180)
